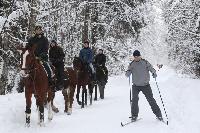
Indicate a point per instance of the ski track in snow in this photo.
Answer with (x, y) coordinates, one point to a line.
(180, 96)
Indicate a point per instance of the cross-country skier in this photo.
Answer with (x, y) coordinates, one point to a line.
(139, 68)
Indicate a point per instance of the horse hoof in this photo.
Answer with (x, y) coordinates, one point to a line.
(79, 103)
(56, 110)
(65, 111)
(95, 99)
(42, 124)
(50, 117)
(27, 124)
(69, 112)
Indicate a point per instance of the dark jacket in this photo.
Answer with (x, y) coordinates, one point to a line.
(56, 55)
(42, 46)
(86, 55)
(100, 60)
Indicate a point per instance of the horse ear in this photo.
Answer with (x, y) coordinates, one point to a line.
(20, 49)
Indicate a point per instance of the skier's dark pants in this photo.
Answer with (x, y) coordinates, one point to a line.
(146, 90)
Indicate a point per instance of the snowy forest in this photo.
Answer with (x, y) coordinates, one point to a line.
(165, 31)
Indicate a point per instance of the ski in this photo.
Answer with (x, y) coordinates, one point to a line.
(127, 123)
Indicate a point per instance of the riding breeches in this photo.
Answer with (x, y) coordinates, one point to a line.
(92, 68)
(47, 69)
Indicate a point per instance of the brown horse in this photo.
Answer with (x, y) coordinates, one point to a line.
(83, 79)
(69, 89)
(36, 82)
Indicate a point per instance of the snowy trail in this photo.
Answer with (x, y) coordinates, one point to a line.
(180, 95)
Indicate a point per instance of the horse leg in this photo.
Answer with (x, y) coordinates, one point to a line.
(103, 89)
(102, 92)
(71, 98)
(64, 92)
(85, 91)
(41, 115)
(90, 87)
(54, 108)
(49, 104)
(28, 96)
(95, 95)
(100, 89)
(40, 103)
(77, 95)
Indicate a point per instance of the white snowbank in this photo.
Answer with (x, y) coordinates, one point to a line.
(180, 95)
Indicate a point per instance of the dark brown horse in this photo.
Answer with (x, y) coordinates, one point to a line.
(101, 80)
(36, 82)
(83, 80)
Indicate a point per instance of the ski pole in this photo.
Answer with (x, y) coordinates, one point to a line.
(130, 94)
(130, 90)
(162, 101)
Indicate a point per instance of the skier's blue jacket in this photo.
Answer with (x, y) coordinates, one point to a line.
(86, 55)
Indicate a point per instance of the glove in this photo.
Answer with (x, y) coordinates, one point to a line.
(154, 75)
(127, 73)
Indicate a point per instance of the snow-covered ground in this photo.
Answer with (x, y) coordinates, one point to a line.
(181, 97)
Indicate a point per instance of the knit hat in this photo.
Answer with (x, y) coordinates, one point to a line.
(101, 49)
(136, 53)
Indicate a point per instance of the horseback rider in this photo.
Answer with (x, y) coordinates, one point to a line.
(41, 51)
(56, 57)
(100, 61)
(86, 55)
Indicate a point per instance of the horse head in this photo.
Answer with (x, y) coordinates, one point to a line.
(27, 60)
(78, 64)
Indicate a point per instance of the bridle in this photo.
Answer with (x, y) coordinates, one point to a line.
(31, 68)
